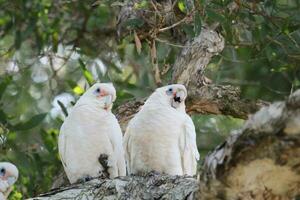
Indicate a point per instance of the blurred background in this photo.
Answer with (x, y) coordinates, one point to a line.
(50, 51)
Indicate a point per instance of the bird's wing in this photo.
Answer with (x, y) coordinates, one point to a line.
(62, 146)
(3, 185)
(126, 146)
(2, 197)
(115, 138)
(189, 151)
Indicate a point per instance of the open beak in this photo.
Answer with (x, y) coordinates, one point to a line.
(178, 96)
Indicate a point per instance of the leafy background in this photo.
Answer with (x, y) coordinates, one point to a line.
(50, 51)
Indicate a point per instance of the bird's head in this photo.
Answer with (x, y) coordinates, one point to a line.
(103, 94)
(174, 95)
(8, 173)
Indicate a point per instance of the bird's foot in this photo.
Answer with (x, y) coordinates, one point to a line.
(84, 179)
(103, 160)
(103, 175)
(153, 173)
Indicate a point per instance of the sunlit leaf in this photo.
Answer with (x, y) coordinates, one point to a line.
(141, 5)
(181, 6)
(78, 90)
(87, 75)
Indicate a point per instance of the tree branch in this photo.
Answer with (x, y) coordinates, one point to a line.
(151, 186)
(221, 99)
(261, 160)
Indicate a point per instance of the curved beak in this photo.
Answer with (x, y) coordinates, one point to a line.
(108, 101)
(11, 180)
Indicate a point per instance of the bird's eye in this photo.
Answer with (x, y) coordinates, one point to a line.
(2, 172)
(98, 90)
(169, 91)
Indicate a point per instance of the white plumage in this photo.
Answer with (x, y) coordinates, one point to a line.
(161, 137)
(89, 131)
(8, 176)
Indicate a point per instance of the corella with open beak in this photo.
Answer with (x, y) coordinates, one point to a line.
(90, 139)
(8, 176)
(161, 137)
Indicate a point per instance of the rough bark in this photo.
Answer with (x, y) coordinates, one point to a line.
(259, 161)
(190, 65)
(151, 186)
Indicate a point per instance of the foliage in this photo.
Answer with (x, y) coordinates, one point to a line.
(51, 50)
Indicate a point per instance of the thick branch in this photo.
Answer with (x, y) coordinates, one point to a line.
(190, 64)
(262, 160)
(151, 186)
(220, 99)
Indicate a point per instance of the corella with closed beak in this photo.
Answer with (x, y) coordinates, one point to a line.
(90, 139)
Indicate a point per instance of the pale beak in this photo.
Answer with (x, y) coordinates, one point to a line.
(11, 180)
(103, 93)
(108, 101)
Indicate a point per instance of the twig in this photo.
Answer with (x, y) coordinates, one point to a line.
(171, 44)
(172, 26)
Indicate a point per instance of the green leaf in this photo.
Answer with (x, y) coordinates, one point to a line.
(3, 117)
(134, 23)
(86, 73)
(33, 122)
(141, 5)
(181, 6)
(189, 30)
(18, 39)
(4, 84)
(197, 24)
(63, 108)
(78, 90)
(55, 41)
(213, 15)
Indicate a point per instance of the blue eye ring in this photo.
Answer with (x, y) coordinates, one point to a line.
(169, 91)
(98, 90)
(2, 171)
